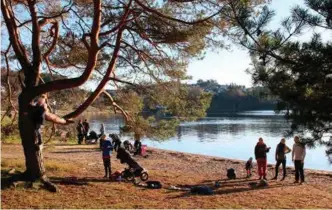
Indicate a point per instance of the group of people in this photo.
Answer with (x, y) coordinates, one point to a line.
(113, 142)
(298, 156)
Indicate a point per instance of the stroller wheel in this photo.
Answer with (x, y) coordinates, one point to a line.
(144, 176)
(130, 177)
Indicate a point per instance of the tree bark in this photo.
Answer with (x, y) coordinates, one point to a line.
(33, 153)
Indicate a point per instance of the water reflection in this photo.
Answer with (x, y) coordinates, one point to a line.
(211, 130)
(230, 136)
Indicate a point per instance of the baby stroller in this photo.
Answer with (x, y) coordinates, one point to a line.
(92, 138)
(134, 170)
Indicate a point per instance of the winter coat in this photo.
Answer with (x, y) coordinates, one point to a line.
(261, 150)
(107, 148)
(298, 152)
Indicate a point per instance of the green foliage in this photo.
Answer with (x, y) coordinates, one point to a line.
(236, 98)
(179, 101)
(9, 131)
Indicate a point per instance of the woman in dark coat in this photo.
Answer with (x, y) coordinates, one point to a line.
(260, 154)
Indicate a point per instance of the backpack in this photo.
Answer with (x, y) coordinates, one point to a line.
(231, 173)
(153, 184)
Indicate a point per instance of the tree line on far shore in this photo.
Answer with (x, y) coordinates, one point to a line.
(233, 97)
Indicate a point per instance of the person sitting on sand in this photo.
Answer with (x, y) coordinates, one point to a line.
(260, 154)
(106, 154)
(281, 151)
(137, 145)
(298, 155)
(249, 167)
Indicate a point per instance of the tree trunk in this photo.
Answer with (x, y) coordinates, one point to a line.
(33, 153)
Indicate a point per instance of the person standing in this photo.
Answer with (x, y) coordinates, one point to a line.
(137, 144)
(249, 167)
(39, 112)
(80, 132)
(298, 155)
(280, 156)
(102, 129)
(86, 127)
(260, 154)
(116, 142)
(107, 152)
(38, 117)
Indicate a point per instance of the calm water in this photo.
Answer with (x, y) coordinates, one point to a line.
(227, 136)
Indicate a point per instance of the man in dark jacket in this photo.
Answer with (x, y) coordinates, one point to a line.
(281, 151)
(38, 113)
(86, 127)
(38, 116)
(260, 154)
(80, 132)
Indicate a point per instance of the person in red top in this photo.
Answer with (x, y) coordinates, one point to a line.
(260, 154)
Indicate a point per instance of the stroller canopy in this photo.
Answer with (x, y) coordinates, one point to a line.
(125, 157)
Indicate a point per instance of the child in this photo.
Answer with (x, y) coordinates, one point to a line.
(249, 167)
(107, 152)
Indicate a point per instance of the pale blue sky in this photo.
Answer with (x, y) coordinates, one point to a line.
(229, 66)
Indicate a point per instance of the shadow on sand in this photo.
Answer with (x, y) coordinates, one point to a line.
(232, 186)
(78, 181)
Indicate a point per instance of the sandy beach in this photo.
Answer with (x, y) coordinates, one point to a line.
(171, 168)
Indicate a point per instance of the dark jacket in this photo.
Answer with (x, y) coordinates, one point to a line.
(138, 147)
(38, 115)
(86, 127)
(248, 165)
(280, 152)
(80, 129)
(261, 150)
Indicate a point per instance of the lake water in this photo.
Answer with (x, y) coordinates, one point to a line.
(228, 136)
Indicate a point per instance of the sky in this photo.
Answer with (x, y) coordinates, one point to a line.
(228, 66)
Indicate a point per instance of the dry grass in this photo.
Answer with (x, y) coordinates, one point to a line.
(171, 168)
(50, 165)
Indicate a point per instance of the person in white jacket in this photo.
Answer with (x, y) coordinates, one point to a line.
(298, 155)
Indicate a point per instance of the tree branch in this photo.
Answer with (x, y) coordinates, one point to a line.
(102, 84)
(19, 50)
(9, 89)
(55, 34)
(92, 60)
(109, 71)
(117, 107)
(149, 9)
(122, 81)
(32, 80)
